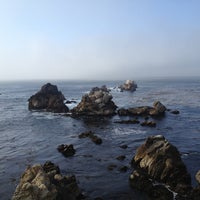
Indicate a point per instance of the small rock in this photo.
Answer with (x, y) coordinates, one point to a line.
(92, 136)
(111, 167)
(175, 112)
(121, 157)
(66, 150)
(123, 169)
(148, 123)
(124, 146)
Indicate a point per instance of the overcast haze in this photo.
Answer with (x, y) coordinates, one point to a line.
(99, 39)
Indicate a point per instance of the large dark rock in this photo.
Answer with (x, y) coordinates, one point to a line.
(129, 85)
(157, 110)
(66, 150)
(46, 183)
(97, 103)
(160, 161)
(49, 99)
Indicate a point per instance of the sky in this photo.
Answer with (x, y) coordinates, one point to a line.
(99, 39)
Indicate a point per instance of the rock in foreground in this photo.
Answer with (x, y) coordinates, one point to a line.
(160, 161)
(46, 183)
(49, 99)
(97, 103)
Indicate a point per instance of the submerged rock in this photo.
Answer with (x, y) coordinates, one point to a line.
(157, 110)
(160, 161)
(49, 99)
(97, 103)
(92, 136)
(66, 150)
(129, 85)
(148, 123)
(46, 183)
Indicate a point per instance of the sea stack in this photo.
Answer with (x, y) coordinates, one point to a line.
(129, 85)
(97, 103)
(48, 99)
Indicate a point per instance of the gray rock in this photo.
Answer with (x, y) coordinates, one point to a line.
(129, 85)
(97, 103)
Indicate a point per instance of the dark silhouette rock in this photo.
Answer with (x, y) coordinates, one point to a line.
(123, 169)
(121, 157)
(131, 121)
(66, 150)
(46, 183)
(92, 136)
(161, 161)
(97, 103)
(124, 146)
(48, 99)
(129, 85)
(175, 112)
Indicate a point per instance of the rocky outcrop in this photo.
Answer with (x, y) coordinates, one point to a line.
(97, 103)
(48, 99)
(46, 183)
(159, 161)
(129, 85)
(157, 110)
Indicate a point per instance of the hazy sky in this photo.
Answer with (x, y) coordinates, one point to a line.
(99, 39)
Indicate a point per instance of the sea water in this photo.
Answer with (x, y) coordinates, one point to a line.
(29, 137)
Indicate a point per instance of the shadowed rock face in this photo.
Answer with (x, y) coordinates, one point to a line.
(46, 183)
(49, 99)
(160, 161)
(97, 103)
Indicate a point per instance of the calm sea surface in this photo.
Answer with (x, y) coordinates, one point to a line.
(27, 138)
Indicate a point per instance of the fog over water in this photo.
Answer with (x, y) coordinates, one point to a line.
(99, 39)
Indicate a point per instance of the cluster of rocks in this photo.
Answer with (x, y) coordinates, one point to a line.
(158, 162)
(45, 182)
(157, 110)
(49, 99)
(129, 85)
(97, 103)
(92, 136)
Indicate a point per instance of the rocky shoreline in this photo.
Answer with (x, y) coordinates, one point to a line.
(158, 169)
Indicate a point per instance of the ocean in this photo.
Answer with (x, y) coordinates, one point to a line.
(29, 137)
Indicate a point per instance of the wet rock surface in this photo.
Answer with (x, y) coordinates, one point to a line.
(159, 161)
(97, 103)
(48, 99)
(157, 110)
(46, 183)
(129, 85)
(66, 150)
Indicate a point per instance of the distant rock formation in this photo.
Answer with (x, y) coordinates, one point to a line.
(97, 103)
(46, 183)
(48, 99)
(129, 85)
(159, 161)
(157, 110)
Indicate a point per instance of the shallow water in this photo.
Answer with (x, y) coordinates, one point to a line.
(32, 137)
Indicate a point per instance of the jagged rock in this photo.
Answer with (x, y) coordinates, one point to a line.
(129, 85)
(66, 150)
(92, 136)
(49, 99)
(46, 183)
(97, 103)
(161, 161)
(157, 110)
